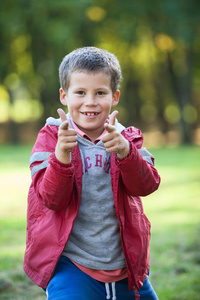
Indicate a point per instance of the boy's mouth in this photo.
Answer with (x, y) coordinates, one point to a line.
(90, 113)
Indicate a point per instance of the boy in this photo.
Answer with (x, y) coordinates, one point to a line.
(87, 235)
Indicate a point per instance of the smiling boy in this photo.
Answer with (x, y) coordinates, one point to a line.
(89, 99)
(87, 235)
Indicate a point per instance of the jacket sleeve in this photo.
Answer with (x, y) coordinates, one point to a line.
(52, 181)
(138, 173)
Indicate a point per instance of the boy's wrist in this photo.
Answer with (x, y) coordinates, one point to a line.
(63, 156)
(65, 159)
(124, 153)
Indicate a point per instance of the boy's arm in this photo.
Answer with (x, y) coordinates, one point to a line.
(52, 180)
(140, 178)
(137, 169)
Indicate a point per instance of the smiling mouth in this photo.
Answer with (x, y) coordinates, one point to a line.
(90, 113)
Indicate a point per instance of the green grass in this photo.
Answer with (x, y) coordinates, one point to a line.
(14, 183)
(174, 211)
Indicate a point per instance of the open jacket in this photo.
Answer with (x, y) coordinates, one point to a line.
(54, 198)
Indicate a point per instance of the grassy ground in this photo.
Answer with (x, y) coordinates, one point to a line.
(174, 211)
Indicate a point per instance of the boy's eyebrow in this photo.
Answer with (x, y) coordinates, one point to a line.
(102, 88)
(84, 88)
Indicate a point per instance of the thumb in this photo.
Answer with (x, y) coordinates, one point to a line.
(112, 117)
(111, 126)
(62, 115)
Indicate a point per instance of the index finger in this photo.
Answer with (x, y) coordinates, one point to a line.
(112, 117)
(62, 115)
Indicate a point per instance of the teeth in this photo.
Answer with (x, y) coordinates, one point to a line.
(90, 114)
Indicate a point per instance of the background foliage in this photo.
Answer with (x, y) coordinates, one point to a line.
(157, 43)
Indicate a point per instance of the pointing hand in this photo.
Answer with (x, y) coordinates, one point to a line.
(67, 139)
(113, 140)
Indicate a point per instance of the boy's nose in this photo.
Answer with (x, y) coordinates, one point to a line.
(90, 101)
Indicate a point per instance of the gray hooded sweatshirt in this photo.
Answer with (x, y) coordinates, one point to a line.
(95, 238)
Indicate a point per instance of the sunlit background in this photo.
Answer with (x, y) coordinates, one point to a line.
(157, 43)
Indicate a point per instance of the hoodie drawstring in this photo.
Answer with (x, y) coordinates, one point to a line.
(113, 291)
(108, 291)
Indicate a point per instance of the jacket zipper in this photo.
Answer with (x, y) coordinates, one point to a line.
(123, 244)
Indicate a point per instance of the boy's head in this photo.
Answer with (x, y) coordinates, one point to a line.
(90, 59)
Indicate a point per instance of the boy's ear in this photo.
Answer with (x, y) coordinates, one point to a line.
(116, 98)
(63, 96)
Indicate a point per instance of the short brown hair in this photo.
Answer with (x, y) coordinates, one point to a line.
(90, 59)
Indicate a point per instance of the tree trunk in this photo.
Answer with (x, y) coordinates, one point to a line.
(13, 127)
(182, 86)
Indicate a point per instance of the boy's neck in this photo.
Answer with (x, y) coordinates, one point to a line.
(92, 137)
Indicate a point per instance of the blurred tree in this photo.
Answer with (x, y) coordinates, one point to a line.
(35, 35)
(160, 59)
(156, 42)
(180, 21)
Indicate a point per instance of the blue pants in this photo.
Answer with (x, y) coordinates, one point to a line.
(70, 283)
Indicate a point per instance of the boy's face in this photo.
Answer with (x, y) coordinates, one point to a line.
(89, 99)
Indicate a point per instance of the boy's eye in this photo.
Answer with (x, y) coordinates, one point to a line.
(100, 93)
(80, 92)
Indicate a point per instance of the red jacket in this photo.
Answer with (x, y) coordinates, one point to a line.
(54, 198)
